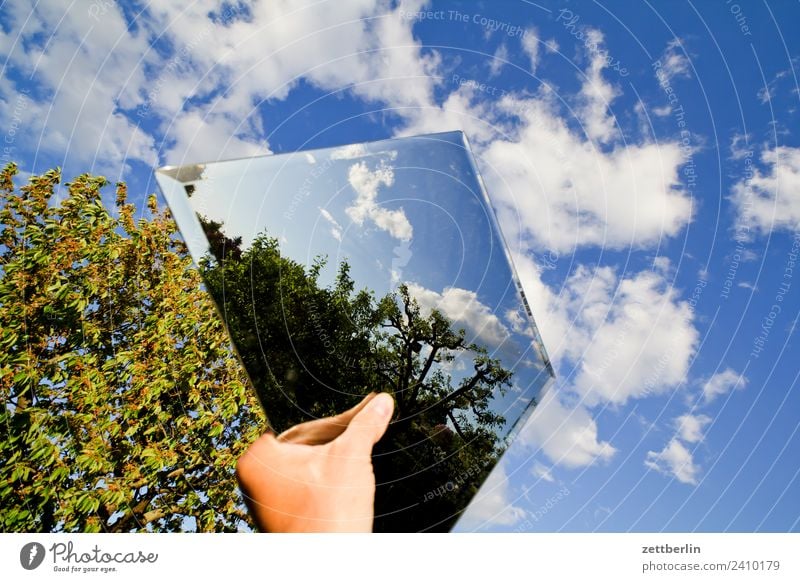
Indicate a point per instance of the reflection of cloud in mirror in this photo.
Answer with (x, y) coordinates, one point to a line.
(401, 257)
(492, 505)
(366, 184)
(465, 309)
(190, 173)
(336, 228)
(359, 150)
(349, 152)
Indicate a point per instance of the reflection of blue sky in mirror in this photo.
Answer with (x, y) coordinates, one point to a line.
(410, 211)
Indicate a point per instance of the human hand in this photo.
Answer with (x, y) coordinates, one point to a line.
(317, 476)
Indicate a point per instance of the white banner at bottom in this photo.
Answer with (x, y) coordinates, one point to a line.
(398, 557)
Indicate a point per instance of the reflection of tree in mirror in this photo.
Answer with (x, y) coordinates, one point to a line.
(315, 350)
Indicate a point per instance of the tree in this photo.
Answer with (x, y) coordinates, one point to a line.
(123, 407)
(314, 350)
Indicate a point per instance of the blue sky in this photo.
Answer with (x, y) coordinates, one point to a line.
(643, 160)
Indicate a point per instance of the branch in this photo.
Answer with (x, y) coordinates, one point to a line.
(455, 424)
(424, 373)
(479, 376)
(155, 514)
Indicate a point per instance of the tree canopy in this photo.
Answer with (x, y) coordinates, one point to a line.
(124, 409)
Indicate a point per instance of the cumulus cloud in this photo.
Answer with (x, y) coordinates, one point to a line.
(215, 65)
(675, 460)
(643, 343)
(568, 436)
(722, 383)
(366, 184)
(770, 199)
(690, 427)
(627, 337)
(195, 137)
(465, 310)
(561, 193)
(79, 119)
(553, 187)
(620, 338)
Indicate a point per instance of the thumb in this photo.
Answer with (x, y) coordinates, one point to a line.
(367, 427)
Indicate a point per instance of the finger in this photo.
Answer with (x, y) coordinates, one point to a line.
(323, 430)
(367, 426)
(257, 455)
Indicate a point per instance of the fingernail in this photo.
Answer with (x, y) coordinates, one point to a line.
(382, 405)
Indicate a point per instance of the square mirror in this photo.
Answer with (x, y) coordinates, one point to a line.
(373, 267)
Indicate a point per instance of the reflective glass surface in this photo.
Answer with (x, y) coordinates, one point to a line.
(373, 267)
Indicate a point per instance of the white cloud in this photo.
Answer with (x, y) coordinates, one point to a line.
(770, 200)
(596, 93)
(740, 146)
(690, 427)
(349, 152)
(87, 70)
(212, 70)
(499, 61)
(336, 228)
(541, 472)
(366, 184)
(464, 109)
(310, 158)
(722, 383)
(465, 310)
(620, 338)
(552, 186)
(676, 460)
(492, 504)
(628, 337)
(568, 436)
(643, 338)
(530, 46)
(674, 63)
(764, 94)
(560, 192)
(359, 44)
(199, 138)
(662, 111)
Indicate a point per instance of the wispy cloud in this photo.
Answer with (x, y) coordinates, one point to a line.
(722, 383)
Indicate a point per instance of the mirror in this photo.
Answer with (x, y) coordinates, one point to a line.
(373, 267)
